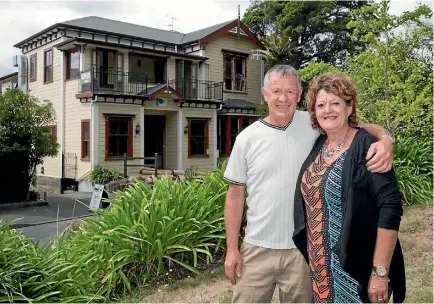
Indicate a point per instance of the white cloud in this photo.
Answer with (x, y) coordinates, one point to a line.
(21, 19)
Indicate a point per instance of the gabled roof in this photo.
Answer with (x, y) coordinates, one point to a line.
(15, 74)
(196, 35)
(121, 28)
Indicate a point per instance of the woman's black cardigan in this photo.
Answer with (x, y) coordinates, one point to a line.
(369, 201)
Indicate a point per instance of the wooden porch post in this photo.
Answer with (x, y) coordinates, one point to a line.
(228, 136)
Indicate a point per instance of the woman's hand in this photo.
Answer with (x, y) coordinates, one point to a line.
(378, 289)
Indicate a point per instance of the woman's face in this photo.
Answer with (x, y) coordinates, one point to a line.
(331, 111)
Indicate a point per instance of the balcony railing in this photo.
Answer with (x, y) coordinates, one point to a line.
(109, 81)
(192, 89)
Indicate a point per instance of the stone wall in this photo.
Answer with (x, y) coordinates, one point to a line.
(51, 185)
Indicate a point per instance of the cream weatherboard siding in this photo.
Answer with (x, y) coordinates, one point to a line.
(203, 163)
(171, 68)
(118, 163)
(75, 111)
(213, 51)
(6, 84)
(170, 136)
(49, 91)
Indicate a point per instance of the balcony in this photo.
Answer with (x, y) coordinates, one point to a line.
(112, 82)
(115, 83)
(200, 90)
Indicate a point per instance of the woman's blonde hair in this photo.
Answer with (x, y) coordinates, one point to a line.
(337, 84)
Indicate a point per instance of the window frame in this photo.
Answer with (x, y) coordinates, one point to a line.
(48, 66)
(107, 136)
(83, 152)
(204, 121)
(234, 57)
(53, 129)
(68, 63)
(32, 79)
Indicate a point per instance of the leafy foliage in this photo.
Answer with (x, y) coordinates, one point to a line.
(100, 175)
(148, 228)
(25, 141)
(316, 30)
(392, 75)
(31, 274)
(414, 169)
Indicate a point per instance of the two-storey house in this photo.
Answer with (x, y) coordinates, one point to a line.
(123, 88)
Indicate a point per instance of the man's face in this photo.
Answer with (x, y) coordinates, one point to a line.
(282, 96)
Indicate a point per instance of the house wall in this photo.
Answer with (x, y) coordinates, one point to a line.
(7, 84)
(171, 147)
(213, 51)
(75, 112)
(50, 180)
(118, 163)
(203, 163)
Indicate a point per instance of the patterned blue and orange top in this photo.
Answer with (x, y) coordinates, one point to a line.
(321, 190)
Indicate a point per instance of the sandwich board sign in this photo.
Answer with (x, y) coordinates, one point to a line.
(96, 196)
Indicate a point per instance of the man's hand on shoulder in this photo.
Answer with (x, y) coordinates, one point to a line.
(233, 265)
(380, 156)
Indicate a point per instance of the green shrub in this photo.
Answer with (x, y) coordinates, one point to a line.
(32, 274)
(413, 164)
(177, 224)
(101, 176)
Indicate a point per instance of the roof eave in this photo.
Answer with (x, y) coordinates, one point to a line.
(78, 40)
(20, 44)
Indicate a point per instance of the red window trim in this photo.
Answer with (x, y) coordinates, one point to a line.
(206, 122)
(82, 139)
(52, 66)
(36, 67)
(107, 135)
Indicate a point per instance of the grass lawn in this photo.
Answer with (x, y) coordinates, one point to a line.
(416, 236)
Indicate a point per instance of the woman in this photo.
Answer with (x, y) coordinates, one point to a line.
(346, 218)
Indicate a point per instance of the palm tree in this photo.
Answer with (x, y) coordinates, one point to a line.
(279, 50)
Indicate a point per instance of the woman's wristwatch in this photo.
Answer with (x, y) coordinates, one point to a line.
(380, 271)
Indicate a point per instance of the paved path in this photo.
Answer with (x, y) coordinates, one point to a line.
(60, 207)
(43, 222)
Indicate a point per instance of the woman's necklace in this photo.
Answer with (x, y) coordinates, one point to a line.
(328, 153)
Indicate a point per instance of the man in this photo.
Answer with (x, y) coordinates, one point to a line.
(266, 158)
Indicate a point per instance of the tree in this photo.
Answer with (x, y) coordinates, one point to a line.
(25, 140)
(277, 50)
(392, 75)
(316, 28)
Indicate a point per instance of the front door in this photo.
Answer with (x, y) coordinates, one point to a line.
(154, 138)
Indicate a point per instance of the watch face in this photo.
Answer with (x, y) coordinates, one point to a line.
(381, 271)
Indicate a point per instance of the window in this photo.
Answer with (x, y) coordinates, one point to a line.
(73, 64)
(234, 69)
(33, 66)
(198, 139)
(85, 139)
(119, 136)
(52, 129)
(48, 66)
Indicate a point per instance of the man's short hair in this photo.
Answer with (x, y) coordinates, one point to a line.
(282, 70)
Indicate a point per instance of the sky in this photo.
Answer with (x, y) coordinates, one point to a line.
(21, 19)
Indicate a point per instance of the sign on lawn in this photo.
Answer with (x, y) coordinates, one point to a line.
(96, 196)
